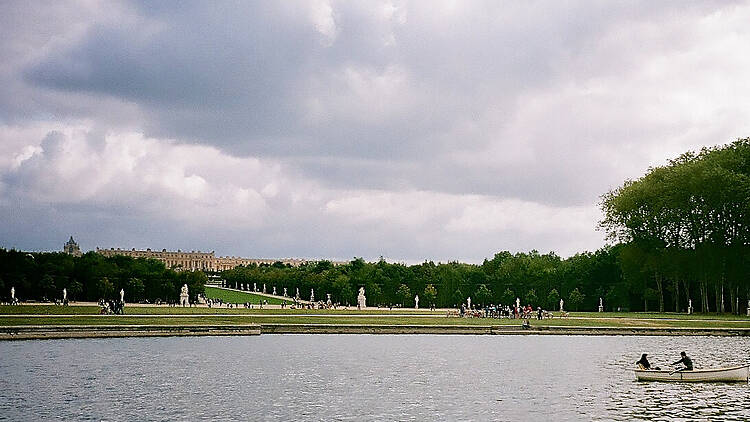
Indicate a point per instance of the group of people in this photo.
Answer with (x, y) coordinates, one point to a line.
(501, 311)
(109, 307)
(687, 363)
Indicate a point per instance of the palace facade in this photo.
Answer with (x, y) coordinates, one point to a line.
(197, 260)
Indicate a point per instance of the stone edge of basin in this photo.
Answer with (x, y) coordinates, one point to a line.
(30, 332)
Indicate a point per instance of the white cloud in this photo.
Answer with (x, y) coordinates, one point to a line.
(412, 130)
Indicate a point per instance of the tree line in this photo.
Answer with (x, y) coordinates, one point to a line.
(534, 278)
(42, 276)
(685, 228)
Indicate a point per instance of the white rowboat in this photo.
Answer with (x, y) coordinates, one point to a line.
(735, 373)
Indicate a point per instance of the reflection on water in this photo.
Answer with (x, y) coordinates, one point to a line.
(364, 377)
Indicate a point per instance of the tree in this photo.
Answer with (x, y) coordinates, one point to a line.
(75, 289)
(103, 289)
(458, 298)
(553, 298)
(576, 299)
(134, 289)
(403, 293)
(508, 297)
(531, 298)
(483, 295)
(430, 293)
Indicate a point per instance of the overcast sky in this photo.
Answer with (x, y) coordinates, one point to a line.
(441, 130)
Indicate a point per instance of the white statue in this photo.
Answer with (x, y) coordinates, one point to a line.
(264, 287)
(12, 293)
(328, 302)
(361, 300)
(274, 291)
(297, 295)
(416, 302)
(690, 306)
(255, 287)
(184, 301)
(284, 291)
(601, 305)
(65, 294)
(518, 303)
(468, 302)
(122, 295)
(561, 305)
(312, 295)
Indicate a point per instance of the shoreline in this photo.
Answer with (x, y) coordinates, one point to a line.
(41, 332)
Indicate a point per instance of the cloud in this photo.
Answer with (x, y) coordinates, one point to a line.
(337, 128)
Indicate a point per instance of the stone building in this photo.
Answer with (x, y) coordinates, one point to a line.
(71, 247)
(197, 260)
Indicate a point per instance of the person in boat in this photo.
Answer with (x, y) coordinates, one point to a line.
(685, 361)
(643, 363)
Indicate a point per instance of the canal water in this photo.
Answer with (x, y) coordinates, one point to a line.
(364, 377)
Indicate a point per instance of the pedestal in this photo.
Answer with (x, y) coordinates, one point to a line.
(690, 310)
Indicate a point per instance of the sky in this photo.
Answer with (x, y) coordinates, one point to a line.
(425, 130)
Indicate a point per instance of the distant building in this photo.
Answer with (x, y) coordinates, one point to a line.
(197, 260)
(71, 247)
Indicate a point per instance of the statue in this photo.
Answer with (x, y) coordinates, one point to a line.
(122, 295)
(416, 302)
(361, 300)
(284, 291)
(264, 288)
(561, 305)
(297, 295)
(518, 303)
(690, 306)
(328, 302)
(468, 302)
(601, 305)
(184, 296)
(274, 291)
(12, 293)
(255, 287)
(312, 295)
(65, 294)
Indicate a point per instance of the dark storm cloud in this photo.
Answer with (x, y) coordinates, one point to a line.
(406, 129)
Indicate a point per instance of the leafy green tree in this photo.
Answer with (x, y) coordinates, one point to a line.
(103, 289)
(531, 298)
(458, 298)
(576, 299)
(508, 297)
(404, 294)
(135, 289)
(430, 294)
(553, 299)
(482, 295)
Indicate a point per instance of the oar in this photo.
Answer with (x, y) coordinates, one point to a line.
(677, 370)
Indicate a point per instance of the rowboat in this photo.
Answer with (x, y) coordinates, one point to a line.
(731, 374)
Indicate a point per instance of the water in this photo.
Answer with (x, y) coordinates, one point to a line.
(363, 377)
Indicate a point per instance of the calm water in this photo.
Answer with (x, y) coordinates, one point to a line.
(363, 377)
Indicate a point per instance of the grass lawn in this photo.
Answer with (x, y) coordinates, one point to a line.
(339, 318)
(231, 296)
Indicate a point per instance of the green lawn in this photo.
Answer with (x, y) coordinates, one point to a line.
(163, 315)
(333, 318)
(231, 296)
(165, 310)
